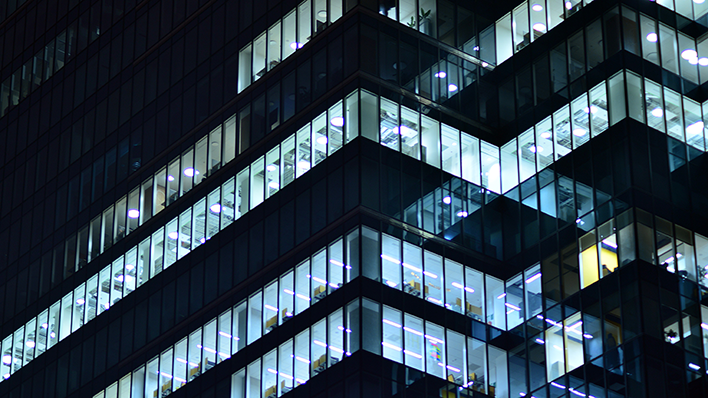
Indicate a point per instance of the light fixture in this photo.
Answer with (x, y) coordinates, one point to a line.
(694, 129)
(80, 301)
(273, 185)
(475, 48)
(129, 267)
(337, 121)
(322, 140)
(512, 306)
(322, 14)
(579, 132)
(537, 7)
(693, 61)
(539, 27)
(568, 5)
(698, 1)
(452, 87)
(533, 278)
(170, 178)
(484, 64)
(6, 359)
(45, 325)
(703, 61)
(202, 240)
(30, 344)
(303, 164)
(546, 135)
(271, 167)
(6, 376)
(133, 213)
(173, 235)
(657, 112)
(462, 214)
(441, 74)
(191, 172)
(120, 278)
(295, 45)
(53, 335)
(652, 37)
(590, 109)
(688, 54)
(447, 200)
(215, 208)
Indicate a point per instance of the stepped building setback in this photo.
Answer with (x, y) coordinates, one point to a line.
(353, 198)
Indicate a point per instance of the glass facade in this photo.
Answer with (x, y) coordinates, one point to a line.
(353, 198)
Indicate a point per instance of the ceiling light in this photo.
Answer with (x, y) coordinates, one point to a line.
(703, 61)
(537, 7)
(133, 213)
(652, 37)
(590, 109)
(568, 5)
(129, 267)
(271, 167)
(273, 185)
(539, 27)
(533, 278)
(173, 235)
(447, 200)
(45, 325)
(120, 278)
(337, 121)
(6, 359)
(303, 164)
(80, 301)
(202, 240)
(6, 376)
(462, 214)
(295, 45)
(215, 208)
(693, 61)
(322, 14)
(579, 132)
(322, 140)
(452, 88)
(688, 54)
(698, 1)
(190, 172)
(657, 112)
(441, 75)
(546, 135)
(170, 178)
(484, 64)
(694, 129)
(53, 335)
(405, 131)
(30, 344)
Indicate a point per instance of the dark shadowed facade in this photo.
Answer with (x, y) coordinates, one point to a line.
(353, 198)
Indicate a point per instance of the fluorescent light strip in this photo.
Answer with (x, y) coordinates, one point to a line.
(391, 346)
(394, 324)
(413, 354)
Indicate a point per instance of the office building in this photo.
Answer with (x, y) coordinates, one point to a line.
(342, 198)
